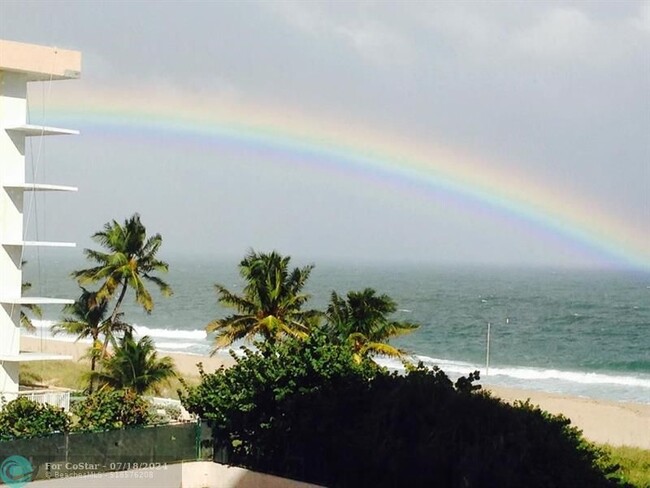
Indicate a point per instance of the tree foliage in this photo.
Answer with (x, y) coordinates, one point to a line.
(256, 383)
(111, 409)
(271, 305)
(135, 365)
(87, 318)
(129, 260)
(363, 321)
(308, 410)
(24, 418)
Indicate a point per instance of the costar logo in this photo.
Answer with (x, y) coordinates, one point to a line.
(16, 471)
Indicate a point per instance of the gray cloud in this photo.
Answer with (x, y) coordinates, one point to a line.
(555, 92)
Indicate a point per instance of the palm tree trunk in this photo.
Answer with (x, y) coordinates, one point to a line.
(93, 362)
(119, 302)
(93, 357)
(109, 336)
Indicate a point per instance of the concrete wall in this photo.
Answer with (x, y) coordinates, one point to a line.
(200, 474)
(40, 63)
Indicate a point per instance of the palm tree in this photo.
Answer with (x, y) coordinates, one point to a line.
(25, 320)
(86, 317)
(271, 305)
(130, 261)
(361, 320)
(36, 310)
(135, 366)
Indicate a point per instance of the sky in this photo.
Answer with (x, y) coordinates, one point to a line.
(492, 133)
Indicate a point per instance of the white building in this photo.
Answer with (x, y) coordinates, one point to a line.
(21, 64)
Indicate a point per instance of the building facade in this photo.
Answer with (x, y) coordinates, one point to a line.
(21, 64)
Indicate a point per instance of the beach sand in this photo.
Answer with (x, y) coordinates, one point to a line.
(185, 363)
(601, 421)
(604, 422)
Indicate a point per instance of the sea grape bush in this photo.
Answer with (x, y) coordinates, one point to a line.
(111, 409)
(103, 410)
(307, 410)
(23, 418)
(243, 403)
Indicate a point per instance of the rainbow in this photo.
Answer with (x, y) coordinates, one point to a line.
(353, 151)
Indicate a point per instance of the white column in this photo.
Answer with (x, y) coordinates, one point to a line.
(13, 110)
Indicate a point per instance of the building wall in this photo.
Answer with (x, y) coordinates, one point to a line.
(20, 64)
(13, 110)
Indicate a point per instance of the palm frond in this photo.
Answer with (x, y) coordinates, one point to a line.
(135, 365)
(241, 304)
(26, 322)
(127, 258)
(163, 286)
(362, 319)
(380, 348)
(270, 304)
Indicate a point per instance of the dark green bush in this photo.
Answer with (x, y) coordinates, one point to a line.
(306, 410)
(24, 418)
(111, 409)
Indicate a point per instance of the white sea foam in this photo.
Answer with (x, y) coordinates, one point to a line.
(43, 324)
(44, 330)
(540, 374)
(163, 346)
(197, 335)
(571, 376)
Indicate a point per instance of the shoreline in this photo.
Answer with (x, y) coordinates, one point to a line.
(604, 422)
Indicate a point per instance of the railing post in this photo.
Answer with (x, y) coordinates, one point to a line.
(197, 434)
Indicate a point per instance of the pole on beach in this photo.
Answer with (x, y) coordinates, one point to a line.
(487, 352)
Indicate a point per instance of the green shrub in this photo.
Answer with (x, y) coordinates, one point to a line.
(634, 463)
(111, 409)
(306, 410)
(24, 418)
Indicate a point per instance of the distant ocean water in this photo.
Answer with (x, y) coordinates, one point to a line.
(578, 332)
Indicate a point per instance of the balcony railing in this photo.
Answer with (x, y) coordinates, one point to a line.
(57, 398)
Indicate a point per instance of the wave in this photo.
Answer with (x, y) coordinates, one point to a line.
(43, 324)
(140, 330)
(540, 374)
(571, 376)
(164, 346)
(197, 335)
(44, 331)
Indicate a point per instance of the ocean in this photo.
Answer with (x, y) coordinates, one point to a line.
(577, 332)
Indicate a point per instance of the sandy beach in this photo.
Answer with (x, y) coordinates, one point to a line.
(185, 363)
(601, 421)
(618, 424)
